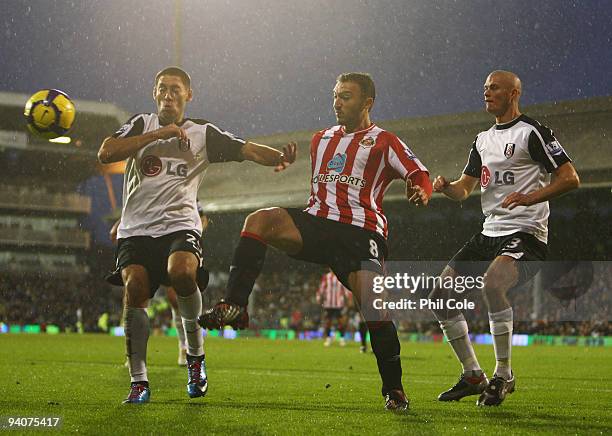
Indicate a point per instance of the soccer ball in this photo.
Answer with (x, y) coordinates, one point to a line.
(49, 113)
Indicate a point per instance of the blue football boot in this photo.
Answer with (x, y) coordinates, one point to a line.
(139, 393)
(197, 385)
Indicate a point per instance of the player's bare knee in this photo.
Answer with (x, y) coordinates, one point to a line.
(495, 283)
(257, 221)
(493, 292)
(182, 279)
(264, 222)
(439, 291)
(136, 292)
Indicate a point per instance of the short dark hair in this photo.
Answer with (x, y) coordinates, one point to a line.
(364, 80)
(175, 71)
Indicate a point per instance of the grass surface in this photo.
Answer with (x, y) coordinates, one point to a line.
(259, 386)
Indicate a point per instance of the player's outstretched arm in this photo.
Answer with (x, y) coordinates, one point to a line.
(118, 149)
(271, 157)
(566, 179)
(458, 190)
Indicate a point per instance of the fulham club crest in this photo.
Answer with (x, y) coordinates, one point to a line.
(184, 145)
(509, 150)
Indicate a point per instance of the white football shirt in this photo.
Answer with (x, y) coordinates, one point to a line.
(161, 180)
(517, 156)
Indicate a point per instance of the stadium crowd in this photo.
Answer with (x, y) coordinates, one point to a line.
(68, 302)
(285, 301)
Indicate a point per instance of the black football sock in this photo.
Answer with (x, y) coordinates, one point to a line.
(363, 332)
(386, 347)
(246, 266)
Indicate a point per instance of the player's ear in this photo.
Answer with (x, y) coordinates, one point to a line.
(515, 93)
(189, 94)
(369, 102)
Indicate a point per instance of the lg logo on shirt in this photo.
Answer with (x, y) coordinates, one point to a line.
(499, 177)
(151, 166)
(180, 170)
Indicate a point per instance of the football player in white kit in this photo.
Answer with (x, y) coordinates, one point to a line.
(159, 234)
(512, 161)
(202, 277)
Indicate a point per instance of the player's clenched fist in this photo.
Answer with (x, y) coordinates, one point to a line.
(172, 131)
(439, 184)
(416, 194)
(287, 157)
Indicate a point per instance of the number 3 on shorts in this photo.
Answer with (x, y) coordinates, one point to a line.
(514, 242)
(373, 248)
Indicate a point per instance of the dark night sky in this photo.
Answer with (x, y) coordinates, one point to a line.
(269, 65)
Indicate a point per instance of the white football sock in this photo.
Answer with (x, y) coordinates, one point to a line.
(136, 323)
(180, 330)
(501, 329)
(456, 332)
(190, 308)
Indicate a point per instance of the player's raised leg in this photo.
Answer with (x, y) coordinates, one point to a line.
(472, 380)
(384, 341)
(502, 274)
(273, 226)
(136, 322)
(182, 268)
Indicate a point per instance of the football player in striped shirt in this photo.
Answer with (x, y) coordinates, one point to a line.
(332, 296)
(512, 162)
(343, 226)
(159, 233)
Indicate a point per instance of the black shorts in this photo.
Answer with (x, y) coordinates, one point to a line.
(343, 247)
(475, 256)
(153, 253)
(332, 313)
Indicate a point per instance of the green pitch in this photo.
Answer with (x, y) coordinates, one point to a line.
(260, 386)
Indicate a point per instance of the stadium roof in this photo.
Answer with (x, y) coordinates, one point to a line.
(442, 143)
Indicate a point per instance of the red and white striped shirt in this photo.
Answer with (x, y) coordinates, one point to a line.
(352, 171)
(331, 293)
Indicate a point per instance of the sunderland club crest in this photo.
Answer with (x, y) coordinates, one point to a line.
(367, 142)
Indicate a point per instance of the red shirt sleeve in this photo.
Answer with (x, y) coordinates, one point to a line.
(402, 159)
